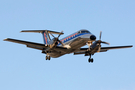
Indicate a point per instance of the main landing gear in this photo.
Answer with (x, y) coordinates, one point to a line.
(90, 59)
(48, 58)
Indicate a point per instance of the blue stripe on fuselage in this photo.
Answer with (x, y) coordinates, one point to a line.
(70, 38)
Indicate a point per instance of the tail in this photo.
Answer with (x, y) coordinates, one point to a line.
(46, 37)
(45, 33)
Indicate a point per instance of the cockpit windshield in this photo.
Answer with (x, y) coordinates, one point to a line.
(83, 31)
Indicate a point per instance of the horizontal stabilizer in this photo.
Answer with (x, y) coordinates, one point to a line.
(41, 31)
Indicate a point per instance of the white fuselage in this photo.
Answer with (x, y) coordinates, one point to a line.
(72, 42)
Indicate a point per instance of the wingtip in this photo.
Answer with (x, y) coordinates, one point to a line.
(5, 39)
(108, 43)
(24, 31)
(21, 31)
(130, 46)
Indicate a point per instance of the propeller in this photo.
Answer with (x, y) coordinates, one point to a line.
(57, 39)
(99, 42)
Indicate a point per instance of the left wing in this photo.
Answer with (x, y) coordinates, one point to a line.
(103, 49)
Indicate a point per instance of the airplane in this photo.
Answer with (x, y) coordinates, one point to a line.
(56, 47)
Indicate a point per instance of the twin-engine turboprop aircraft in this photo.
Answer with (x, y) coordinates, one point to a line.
(71, 44)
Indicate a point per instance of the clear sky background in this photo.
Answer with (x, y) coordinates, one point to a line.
(23, 68)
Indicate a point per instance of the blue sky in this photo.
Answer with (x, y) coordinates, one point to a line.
(24, 68)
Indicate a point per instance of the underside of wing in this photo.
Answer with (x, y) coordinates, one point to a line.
(61, 49)
(36, 45)
(27, 43)
(115, 47)
(103, 49)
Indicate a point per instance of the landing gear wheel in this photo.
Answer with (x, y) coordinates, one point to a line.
(48, 58)
(90, 60)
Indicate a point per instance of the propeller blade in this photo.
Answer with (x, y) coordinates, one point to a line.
(105, 42)
(61, 42)
(98, 43)
(56, 40)
(60, 34)
(99, 49)
(100, 35)
(52, 35)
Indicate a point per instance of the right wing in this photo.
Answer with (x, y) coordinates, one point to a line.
(28, 44)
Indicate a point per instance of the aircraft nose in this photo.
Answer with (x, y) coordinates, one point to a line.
(93, 37)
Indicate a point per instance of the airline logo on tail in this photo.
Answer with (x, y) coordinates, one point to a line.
(45, 38)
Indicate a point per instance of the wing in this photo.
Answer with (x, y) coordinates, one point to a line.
(36, 45)
(103, 49)
(28, 44)
(115, 47)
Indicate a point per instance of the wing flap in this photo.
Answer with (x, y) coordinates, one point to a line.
(35, 47)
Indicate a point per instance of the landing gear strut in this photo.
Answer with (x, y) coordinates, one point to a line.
(90, 59)
(48, 58)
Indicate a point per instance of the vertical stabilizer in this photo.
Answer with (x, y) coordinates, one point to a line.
(46, 37)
